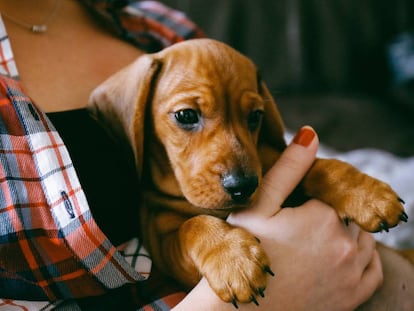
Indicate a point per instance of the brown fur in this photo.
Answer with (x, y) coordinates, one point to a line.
(182, 170)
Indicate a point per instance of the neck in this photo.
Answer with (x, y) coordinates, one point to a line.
(69, 72)
(26, 13)
(28, 9)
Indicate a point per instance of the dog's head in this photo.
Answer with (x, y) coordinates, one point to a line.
(206, 119)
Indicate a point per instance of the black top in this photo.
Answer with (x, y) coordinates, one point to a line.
(107, 174)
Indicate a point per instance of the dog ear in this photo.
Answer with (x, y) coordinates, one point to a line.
(271, 137)
(119, 103)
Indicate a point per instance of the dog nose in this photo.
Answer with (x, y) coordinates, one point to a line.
(240, 186)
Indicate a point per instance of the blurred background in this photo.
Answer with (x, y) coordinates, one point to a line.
(345, 67)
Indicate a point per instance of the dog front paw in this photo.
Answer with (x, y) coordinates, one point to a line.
(237, 268)
(373, 205)
(367, 201)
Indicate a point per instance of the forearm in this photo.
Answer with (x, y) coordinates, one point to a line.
(203, 297)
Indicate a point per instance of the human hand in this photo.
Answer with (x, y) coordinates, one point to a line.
(320, 264)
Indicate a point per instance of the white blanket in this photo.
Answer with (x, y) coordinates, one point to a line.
(397, 172)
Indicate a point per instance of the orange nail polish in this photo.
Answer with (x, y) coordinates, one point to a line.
(304, 137)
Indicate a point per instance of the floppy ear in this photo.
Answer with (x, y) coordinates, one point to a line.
(119, 103)
(271, 137)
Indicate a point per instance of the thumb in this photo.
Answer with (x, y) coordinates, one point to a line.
(286, 173)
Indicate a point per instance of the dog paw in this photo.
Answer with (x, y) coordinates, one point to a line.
(373, 205)
(237, 269)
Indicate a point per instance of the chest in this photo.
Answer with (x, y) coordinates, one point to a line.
(60, 68)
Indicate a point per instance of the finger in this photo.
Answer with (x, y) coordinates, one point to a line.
(353, 229)
(376, 265)
(286, 173)
(372, 278)
(366, 247)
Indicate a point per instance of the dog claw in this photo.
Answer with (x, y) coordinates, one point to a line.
(261, 292)
(346, 221)
(384, 226)
(234, 302)
(254, 300)
(401, 200)
(268, 270)
(404, 217)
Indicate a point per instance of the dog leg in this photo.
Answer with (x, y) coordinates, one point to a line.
(231, 259)
(357, 197)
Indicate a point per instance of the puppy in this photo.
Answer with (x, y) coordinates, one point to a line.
(204, 129)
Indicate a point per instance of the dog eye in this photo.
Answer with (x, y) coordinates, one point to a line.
(254, 119)
(187, 117)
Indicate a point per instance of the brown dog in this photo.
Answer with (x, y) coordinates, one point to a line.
(204, 128)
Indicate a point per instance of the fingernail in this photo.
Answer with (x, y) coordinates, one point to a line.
(304, 137)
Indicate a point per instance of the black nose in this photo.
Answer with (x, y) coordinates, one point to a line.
(240, 186)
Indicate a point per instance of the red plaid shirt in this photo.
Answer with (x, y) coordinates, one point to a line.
(50, 246)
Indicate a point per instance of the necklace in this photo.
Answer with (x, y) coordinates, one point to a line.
(36, 28)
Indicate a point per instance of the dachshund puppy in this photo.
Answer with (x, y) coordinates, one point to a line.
(204, 129)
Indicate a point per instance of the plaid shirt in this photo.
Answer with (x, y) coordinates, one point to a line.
(51, 249)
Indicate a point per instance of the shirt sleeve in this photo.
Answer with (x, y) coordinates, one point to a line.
(51, 249)
(150, 25)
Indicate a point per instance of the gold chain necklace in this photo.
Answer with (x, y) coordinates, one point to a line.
(36, 28)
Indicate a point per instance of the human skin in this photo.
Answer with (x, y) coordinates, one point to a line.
(54, 91)
(320, 264)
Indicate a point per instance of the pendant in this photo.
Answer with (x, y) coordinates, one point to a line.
(39, 28)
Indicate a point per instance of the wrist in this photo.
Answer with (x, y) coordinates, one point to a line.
(202, 298)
